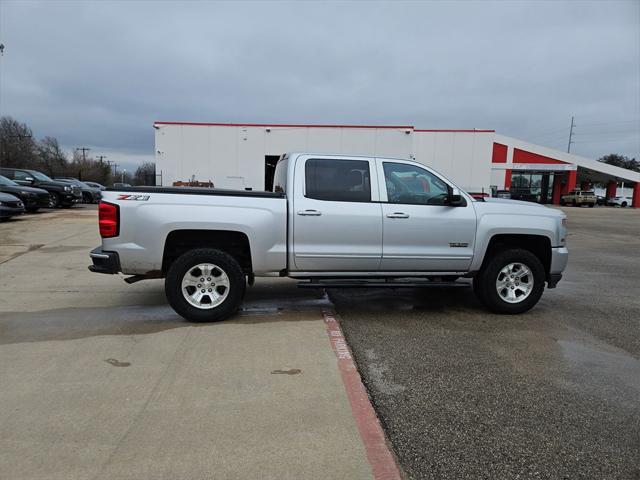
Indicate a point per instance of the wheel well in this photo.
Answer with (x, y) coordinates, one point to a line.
(235, 244)
(539, 245)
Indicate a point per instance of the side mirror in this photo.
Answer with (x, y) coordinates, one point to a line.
(30, 179)
(454, 199)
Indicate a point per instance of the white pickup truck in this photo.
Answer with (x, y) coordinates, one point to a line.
(331, 220)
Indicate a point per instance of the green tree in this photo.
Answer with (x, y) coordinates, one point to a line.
(621, 161)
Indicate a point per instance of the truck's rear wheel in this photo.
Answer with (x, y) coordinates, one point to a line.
(205, 285)
(511, 282)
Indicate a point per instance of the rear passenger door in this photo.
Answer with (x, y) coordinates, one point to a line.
(337, 220)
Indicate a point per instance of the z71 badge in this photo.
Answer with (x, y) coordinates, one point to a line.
(137, 198)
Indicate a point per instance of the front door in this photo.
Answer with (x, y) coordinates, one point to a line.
(337, 221)
(420, 231)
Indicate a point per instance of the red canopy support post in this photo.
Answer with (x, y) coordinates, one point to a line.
(635, 200)
(570, 184)
(557, 189)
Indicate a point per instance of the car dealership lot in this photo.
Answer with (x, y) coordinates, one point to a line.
(101, 379)
(554, 393)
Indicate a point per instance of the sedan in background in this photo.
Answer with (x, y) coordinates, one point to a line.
(96, 185)
(89, 194)
(619, 202)
(32, 198)
(10, 206)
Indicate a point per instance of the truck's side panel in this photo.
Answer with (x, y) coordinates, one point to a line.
(339, 229)
(145, 225)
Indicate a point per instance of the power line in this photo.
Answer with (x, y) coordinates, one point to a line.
(84, 151)
(609, 123)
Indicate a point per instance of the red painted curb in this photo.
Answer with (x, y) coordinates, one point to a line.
(380, 457)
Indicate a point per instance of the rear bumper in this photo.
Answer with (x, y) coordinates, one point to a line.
(104, 262)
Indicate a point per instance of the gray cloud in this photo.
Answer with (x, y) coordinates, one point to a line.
(99, 73)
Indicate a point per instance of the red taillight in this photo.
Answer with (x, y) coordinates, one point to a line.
(108, 220)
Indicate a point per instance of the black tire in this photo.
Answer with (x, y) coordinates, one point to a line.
(562, 202)
(484, 284)
(591, 205)
(188, 261)
(32, 209)
(54, 200)
(623, 204)
(87, 197)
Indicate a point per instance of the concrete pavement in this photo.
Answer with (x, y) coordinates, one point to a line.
(102, 380)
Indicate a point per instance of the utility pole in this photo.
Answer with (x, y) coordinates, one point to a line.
(570, 136)
(84, 151)
(101, 158)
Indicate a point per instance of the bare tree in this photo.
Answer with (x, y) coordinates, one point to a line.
(145, 174)
(17, 146)
(52, 158)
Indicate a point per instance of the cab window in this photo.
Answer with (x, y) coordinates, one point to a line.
(338, 180)
(20, 175)
(413, 185)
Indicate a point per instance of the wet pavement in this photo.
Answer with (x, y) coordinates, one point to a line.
(554, 393)
(102, 380)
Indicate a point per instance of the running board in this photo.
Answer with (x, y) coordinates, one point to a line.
(381, 284)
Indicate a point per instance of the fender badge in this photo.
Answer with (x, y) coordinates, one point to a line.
(458, 245)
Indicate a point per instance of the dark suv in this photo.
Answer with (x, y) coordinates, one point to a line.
(60, 193)
(33, 198)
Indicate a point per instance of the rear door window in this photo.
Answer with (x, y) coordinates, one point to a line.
(338, 180)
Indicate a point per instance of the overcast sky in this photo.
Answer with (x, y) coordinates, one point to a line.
(99, 73)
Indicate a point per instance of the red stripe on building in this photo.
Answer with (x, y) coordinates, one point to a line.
(499, 153)
(275, 125)
(455, 131)
(380, 457)
(522, 156)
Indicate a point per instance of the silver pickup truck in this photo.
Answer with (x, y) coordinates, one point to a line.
(331, 220)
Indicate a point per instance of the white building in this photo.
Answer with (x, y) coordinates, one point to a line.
(244, 156)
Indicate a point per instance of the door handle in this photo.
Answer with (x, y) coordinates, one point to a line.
(309, 213)
(397, 215)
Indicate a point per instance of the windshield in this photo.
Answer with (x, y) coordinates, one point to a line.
(6, 182)
(40, 176)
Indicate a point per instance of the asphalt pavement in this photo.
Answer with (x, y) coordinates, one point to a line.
(553, 393)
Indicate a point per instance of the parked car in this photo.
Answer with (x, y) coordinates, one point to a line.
(120, 185)
(601, 200)
(32, 198)
(324, 223)
(503, 194)
(620, 201)
(578, 198)
(60, 194)
(10, 206)
(89, 194)
(96, 185)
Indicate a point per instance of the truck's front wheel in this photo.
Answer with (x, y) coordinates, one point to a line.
(205, 285)
(511, 282)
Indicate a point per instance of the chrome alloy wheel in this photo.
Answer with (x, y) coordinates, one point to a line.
(205, 286)
(514, 283)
